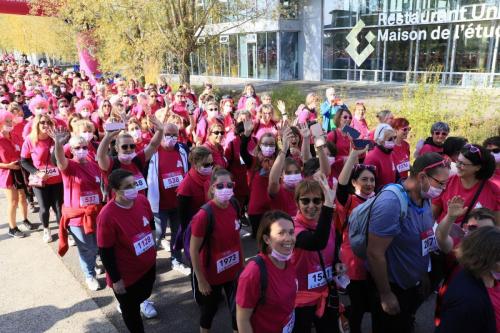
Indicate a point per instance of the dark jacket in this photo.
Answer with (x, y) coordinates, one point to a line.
(467, 307)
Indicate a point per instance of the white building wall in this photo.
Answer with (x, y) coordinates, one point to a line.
(310, 41)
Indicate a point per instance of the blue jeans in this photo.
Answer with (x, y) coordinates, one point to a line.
(169, 216)
(87, 250)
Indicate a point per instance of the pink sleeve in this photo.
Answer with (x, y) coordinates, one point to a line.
(302, 117)
(26, 149)
(241, 103)
(27, 129)
(248, 292)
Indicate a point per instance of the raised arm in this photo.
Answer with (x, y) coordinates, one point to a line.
(352, 159)
(455, 209)
(60, 137)
(277, 168)
(245, 138)
(153, 146)
(103, 150)
(306, 142)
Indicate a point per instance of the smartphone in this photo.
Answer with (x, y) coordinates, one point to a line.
(316, 130)
(361, 144)
(111, 127)
(351, 131)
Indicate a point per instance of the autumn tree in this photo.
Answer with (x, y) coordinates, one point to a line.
(135, 37)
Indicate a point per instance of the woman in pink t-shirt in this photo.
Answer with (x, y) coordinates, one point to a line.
(35, 158)
(401, 151)
(269, 310)
(11, 179)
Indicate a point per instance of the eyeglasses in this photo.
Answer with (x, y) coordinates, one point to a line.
(63, 106)
(460, 164)
(442, 184)
(494, 150)
(306, 201)
(129, 146)
(81, 148)
(441, 133)
(220, 186)
(392, 138)
(406, 129)
(171, 136)
(208, 165)
(43, 122)
(218, 132)
(473, 149)
(370, 167)
(213, 109)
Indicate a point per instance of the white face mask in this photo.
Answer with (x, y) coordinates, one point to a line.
(170, 141)
(280, 256)
(389, 144)
(431, 193)
(7, 129)
(331, 160)
(223, 195)
(227, 109)
(292, 180)
(39, 111)
(81, 154)
(85, 114)
(126, 158)
(497, 157)
(267, 151)
(205, 171)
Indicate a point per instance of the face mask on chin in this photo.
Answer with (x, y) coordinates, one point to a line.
(126, 158)
(279, 256)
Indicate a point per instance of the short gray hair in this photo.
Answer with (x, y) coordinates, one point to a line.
(77, 140)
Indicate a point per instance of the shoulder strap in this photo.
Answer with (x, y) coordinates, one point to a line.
(116, 163)
(474, 199)
(236, 205)
(402, 196)
(208, 231)
(263, 278)
(332, 288)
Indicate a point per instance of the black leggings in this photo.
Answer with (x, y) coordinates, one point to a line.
(255, 222)
(305, 316)
(210, 303)
(130, 302)
(360, 295)
(49, 196)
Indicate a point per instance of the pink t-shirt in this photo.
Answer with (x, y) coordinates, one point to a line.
(343, 144)
(494, 294)
(489, 196)
(362, 127)
(401, 158)
(40, 155)
(81, 186)
(386, 170)
(285, 200)
(262, 129)
(29, 124)
(10, 151)
(430, 149)
(277, 311)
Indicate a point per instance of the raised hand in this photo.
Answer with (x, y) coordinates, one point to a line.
(456, 207)
(328, 192)
(157, 125)
(60, 135)
(304, 130)
(281, 106)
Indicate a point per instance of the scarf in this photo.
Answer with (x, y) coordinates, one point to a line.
(197, 178)
(309, 224)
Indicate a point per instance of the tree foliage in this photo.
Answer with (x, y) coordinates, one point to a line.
(136, 36)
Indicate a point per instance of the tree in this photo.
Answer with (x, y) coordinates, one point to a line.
(132, 36)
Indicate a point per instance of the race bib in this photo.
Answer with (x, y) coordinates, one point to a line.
(228, 261)
(429, 242)
(51, 172)
(289, 326)
(402, 167)
(140, 183)
(317, 279)
(172, 180)
(88, 198)
(143, 242)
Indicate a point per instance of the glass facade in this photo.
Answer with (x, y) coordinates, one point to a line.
(252, 55)
(456, 39)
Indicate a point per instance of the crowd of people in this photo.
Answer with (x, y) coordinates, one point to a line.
(335, 206)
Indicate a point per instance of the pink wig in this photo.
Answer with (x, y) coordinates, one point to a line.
(82, 104)
(38, 101)
(4, 116)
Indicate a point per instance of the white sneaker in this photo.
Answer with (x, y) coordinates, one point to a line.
(71, 241)
(98, 270)
(165, 244)
(92, 283)
(47, 237)
(148, 310)
(180, 267)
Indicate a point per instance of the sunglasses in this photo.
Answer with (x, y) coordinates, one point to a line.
(218, 132)
(494, 150)
(307, 201)
(220, 186)
(370, 167)
(442, 163)
(81, 148)
(473, 149)
(129, 146)
(43, 122)
(171, 136)
(406, 129)
(208, 165)
(441, 133)
(346, 117)
(106, 105)
(18, 95)
(212, 110)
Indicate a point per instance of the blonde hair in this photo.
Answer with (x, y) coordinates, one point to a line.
(82, 125)
(77, 140)
(33, 136)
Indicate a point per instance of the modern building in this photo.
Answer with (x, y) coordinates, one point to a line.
(456, 41)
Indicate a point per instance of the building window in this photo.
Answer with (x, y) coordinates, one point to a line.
(289, 65)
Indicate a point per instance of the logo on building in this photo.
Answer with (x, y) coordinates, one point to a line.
(352, 48)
